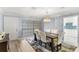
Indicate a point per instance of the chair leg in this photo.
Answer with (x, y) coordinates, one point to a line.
(45, 45)
(40, 43)
(58, 47)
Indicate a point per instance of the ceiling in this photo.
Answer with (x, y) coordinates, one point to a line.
(38, 11)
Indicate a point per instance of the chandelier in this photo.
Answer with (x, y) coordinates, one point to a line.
(47, 17)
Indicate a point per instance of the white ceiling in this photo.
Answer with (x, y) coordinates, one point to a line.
(38, 11)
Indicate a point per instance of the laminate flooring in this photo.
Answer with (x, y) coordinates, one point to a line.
(20, 46)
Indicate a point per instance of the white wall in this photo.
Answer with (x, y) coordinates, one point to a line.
(11, 26)
(2, 17)
(56, 22)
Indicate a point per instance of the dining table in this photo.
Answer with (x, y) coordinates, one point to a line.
(54, 41)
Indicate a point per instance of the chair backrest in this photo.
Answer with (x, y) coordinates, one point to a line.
(36, 30)
(43, 37)
(37, 35)
(47, 30)
(54, 31)
(60, 37)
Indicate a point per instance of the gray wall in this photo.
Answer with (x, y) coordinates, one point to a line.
(56, 22)
(1, 23)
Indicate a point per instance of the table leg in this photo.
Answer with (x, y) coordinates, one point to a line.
(52, 45)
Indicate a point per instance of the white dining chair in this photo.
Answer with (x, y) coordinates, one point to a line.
(56, 31)
(38, 37)
(60, 40)
(44, 40)
(60, 37)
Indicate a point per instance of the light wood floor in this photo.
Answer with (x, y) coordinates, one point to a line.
(20, 46)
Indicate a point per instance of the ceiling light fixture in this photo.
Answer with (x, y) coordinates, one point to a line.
(47, 18)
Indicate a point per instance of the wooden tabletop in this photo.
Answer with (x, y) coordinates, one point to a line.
(51, 35)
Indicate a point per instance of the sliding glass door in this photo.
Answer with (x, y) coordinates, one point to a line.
(71, 30)
(28, 27)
